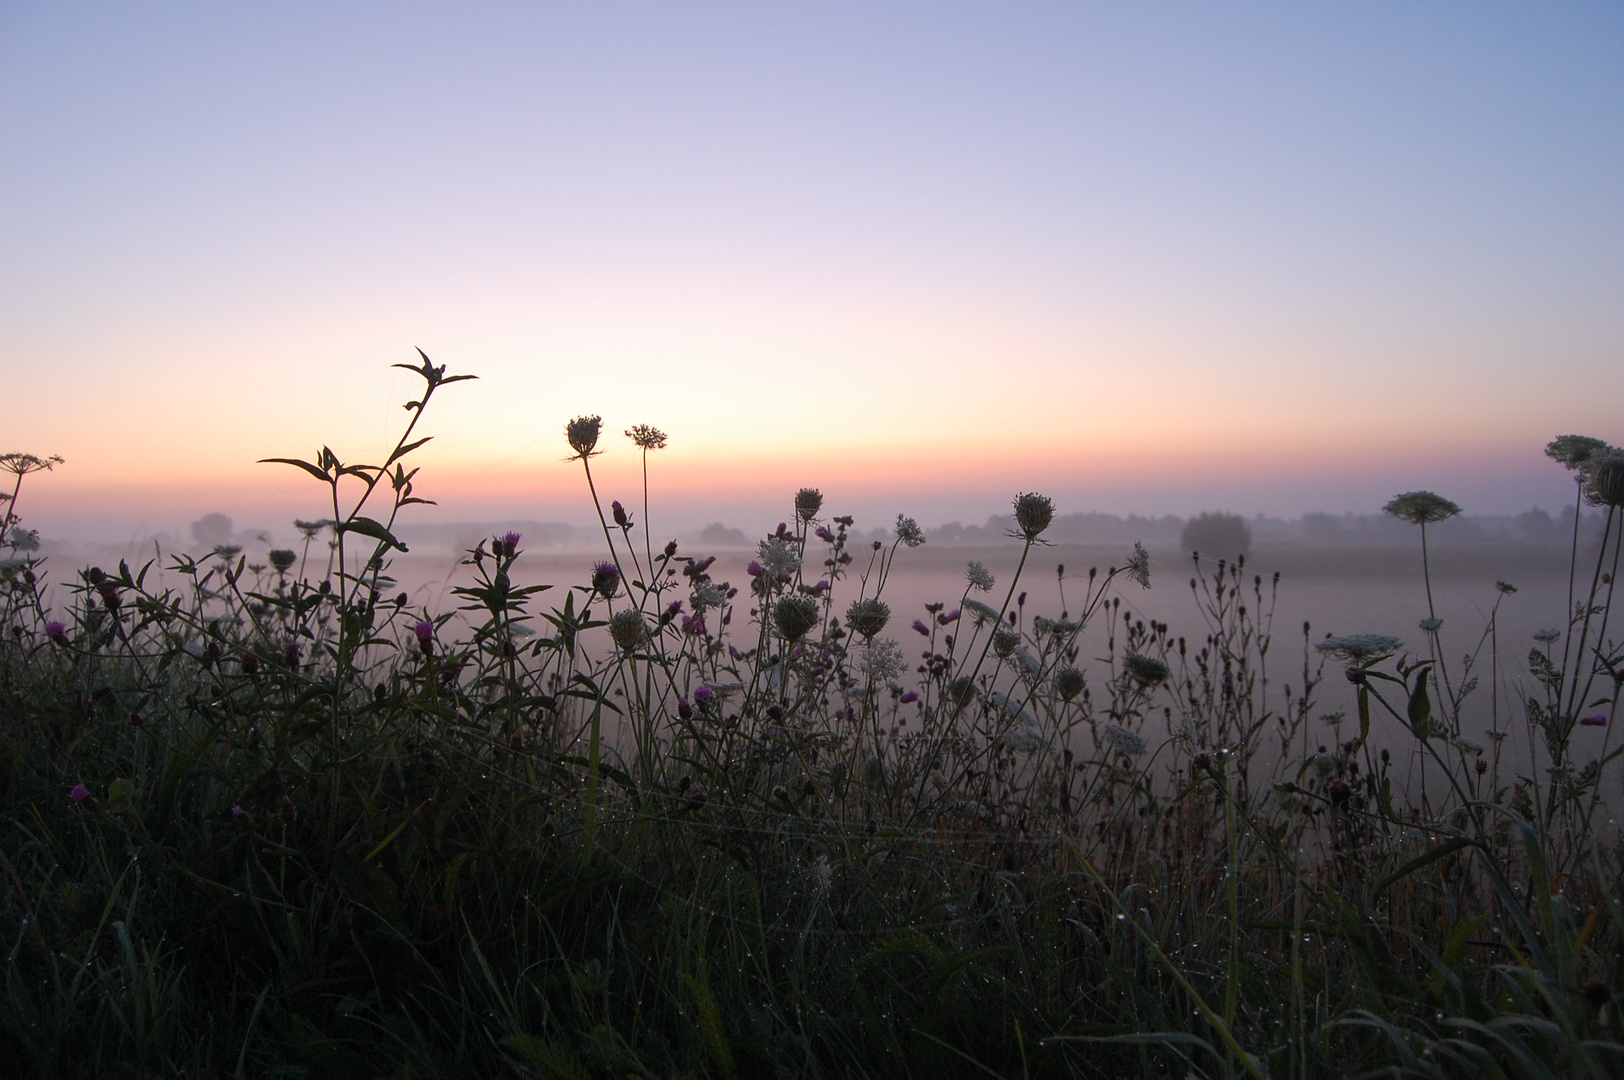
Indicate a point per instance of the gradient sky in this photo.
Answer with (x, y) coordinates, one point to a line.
(1157, 258)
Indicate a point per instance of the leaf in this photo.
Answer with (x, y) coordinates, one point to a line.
(1448, 847)
(305, 465)
(375, 529)
(1420, 709)
(404, 450)
(119, 794)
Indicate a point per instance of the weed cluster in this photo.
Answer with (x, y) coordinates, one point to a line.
(279, 822)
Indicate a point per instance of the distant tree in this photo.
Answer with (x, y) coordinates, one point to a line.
(718, 535)
(212, 529)
(1220, 536)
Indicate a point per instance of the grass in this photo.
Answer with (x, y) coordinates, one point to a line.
(277, 823)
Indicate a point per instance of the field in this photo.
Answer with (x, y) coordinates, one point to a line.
(826, 810)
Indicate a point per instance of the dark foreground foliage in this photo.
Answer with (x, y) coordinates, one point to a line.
(279, 823)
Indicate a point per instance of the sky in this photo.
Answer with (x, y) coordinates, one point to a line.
(1144, 258)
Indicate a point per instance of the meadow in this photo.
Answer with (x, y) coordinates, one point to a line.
(265, 814)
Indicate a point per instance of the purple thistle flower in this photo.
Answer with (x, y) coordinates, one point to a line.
(822, 533)
(948, 617)
(605, 579)
(56, 632)
(921, 628)
(424, 631)
(817, 671)
(622, 519)
(1595, 720)
(238, 814)
(510, 544)
(703, 694)
(754, 569)
(909, 698)
(694, 625)
(80, 794)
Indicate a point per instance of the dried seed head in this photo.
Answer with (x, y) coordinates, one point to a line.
(1572, 451)
(649, 438)
(1068, 683)
(1004, 640)
(808, 501)
(1146, 670)
(582, 433)
(1033, 513)
(868, 617)
(795, 616)
(628, 629)
(1421, 508)
(1603, 477)
(282, 560)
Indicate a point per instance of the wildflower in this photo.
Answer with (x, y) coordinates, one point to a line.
(947, 618)
(868, 617)
(649, 438)
(808, 501)
(1122, 741)
(1359, 648)
(1339, 791)
(1546, 636)
(1033, 513)
(282, 560)
(627, 628)
(23, 464)
(80, 795)
(238, 814)
(909, 532)
(1572, 451)
(250, 664)
(1506, 588)
(693, 625)
(508, 546)
(882, 660)
(778, 557)
(822, 533)
(979, 577)
(921, 629)
(309, 528)
(605, 579)
(1068, 683)
(1421, 508)
(292, 652)
(1431, 625)
(909, 698)
(1146, 670)
(425, 636)
(703, 695)
(984, 613)
(795, 616)
(1004, 640)
(623, 520)
(1594, 720)
(709, 594)
(1138, 566)
(582, 433)
(56, 632)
